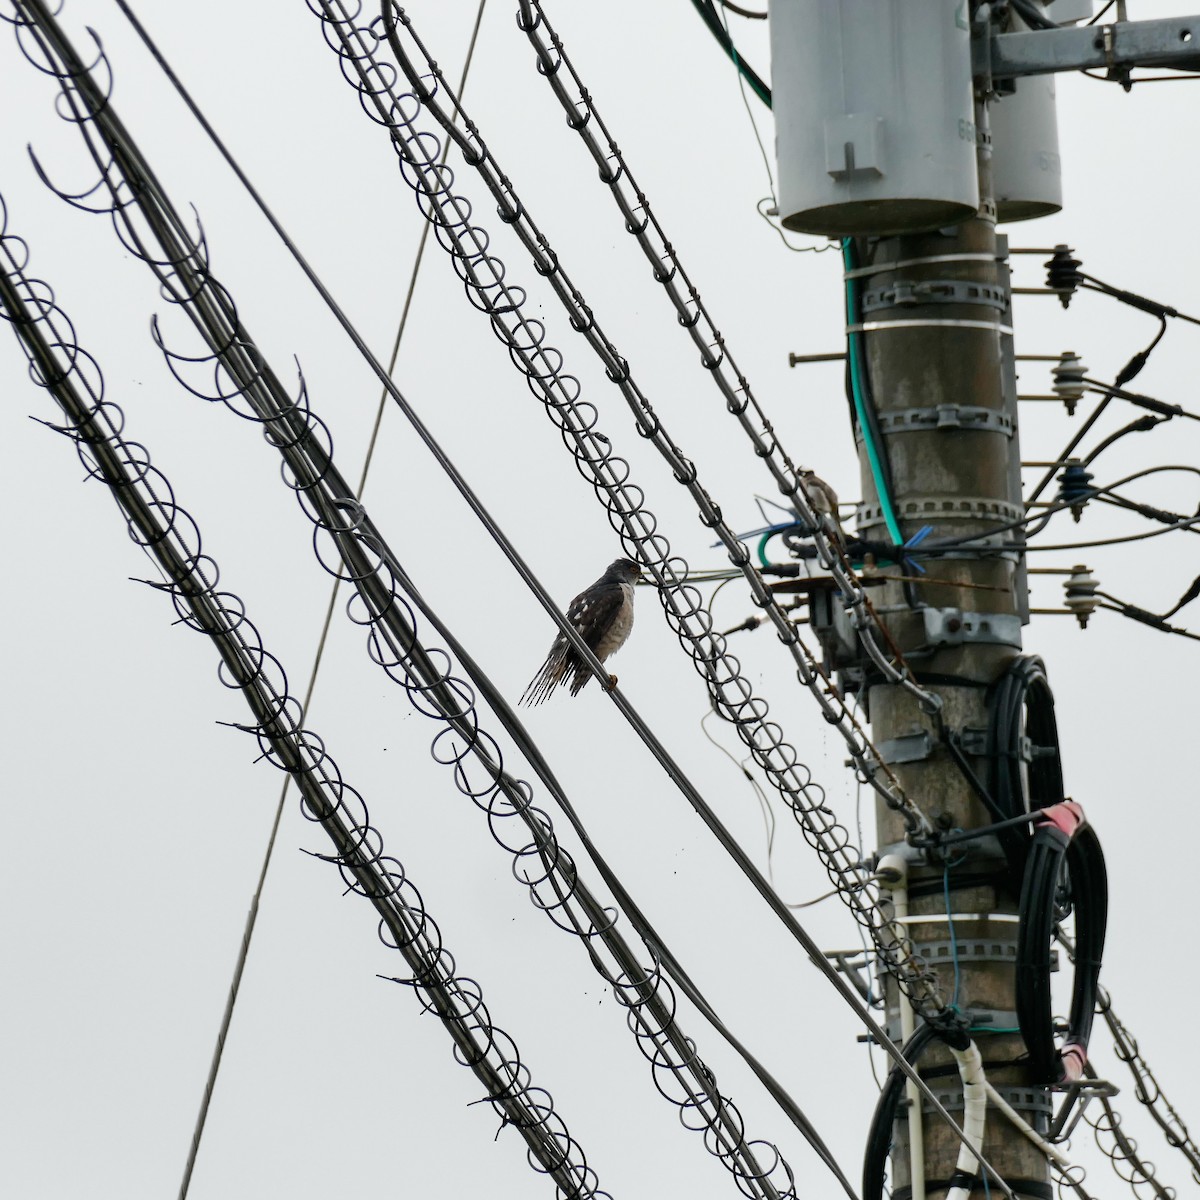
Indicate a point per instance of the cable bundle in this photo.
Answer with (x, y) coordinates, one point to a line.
(1062, 840)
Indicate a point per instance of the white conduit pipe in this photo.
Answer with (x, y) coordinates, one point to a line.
(893, 873)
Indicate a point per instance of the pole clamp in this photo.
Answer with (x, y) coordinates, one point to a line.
(906, 292)
(946, 416)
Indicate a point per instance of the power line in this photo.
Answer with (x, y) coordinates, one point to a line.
(252, 915)
(171, 538)
(639, 220)
(303, 444)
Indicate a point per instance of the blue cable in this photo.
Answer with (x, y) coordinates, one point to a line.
(953, 939)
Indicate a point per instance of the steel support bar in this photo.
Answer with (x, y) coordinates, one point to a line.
(1172, 42)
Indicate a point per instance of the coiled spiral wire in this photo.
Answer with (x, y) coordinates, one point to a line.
(1147, 1089)
(547, 263)
(350, 547)
(171, 538)
(691, 314)
(1122, 1153)
(484, 279)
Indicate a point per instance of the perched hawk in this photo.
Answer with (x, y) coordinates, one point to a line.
(603, 615)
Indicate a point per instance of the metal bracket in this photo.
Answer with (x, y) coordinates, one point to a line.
(909, 747)
(935, 509)
(976, 1019)
(854, 965)
(934, 291)
(946, 416)
(1172, 42)
(1082, 1091)
(954, 627)
(1024, 1099)
(943, 951)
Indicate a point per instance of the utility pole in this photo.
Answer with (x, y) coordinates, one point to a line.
(950, 435)
(883, 112)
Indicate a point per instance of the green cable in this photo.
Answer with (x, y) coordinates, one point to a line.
(757, 86)
(856, 389)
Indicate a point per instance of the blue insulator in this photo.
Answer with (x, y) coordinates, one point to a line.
(1075, 487)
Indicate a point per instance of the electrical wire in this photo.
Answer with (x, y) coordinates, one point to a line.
(639, 221)
(1191, 523)
(1032, 15)
(864, 409)
(625, 506)
(171, 538)
(1062, 839)
(762, 150)
(743, 12)
(1128, 372)
(367, 555)
(252, 915)
(1122, 1152)
(710, 17)
(1134, 613)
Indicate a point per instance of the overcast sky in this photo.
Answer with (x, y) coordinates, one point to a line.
(138, 823)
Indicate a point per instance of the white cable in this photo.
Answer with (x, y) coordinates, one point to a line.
(976, 1091)
(1050, 1151)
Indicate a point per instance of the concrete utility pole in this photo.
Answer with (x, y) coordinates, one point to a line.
(882, 116)
(947, 417)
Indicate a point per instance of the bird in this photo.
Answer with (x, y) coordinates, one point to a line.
(603, 616)
(820, 495)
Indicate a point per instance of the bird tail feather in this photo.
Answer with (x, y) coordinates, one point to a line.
(542, 685)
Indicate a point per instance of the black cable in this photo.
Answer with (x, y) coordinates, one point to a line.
(1158, 406)
(1190, 523)
(1134, 613)
(744, 12)
(1032, 15)
(1020, 706)
(1063, 837)
(1186, 598)
(1141, 425)
(879, 1133)
(711, 18)
(1129, 371)
(1152, 512)
(1143, 303)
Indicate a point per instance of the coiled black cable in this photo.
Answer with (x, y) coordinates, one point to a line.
(879, 1135)
(1062, 838)
(1020, 707)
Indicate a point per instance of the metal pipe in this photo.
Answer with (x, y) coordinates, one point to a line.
(893, 867)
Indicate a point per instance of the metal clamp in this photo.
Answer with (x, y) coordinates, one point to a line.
(935, 291)
(928, 323)
(935, 509)
(955, 626)
(1024, 1099)
(947, 416)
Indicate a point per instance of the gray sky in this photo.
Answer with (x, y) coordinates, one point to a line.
(139, 823)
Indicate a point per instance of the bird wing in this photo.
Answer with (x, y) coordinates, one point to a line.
(592, 613)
